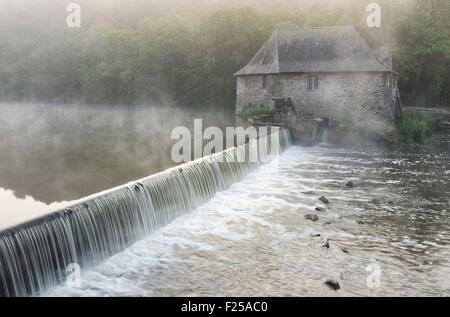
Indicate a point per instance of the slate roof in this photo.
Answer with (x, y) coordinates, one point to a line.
(324, 49)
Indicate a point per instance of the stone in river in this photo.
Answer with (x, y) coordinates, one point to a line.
(350, 184)
(334, 285)
(320, 209)
(324, 200)
(312, 217)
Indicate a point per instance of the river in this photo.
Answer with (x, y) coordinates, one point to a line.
(389, 235)
(51, 154)
(254, 240)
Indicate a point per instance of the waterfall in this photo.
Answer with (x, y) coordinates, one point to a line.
(35, 256)
(325, 137)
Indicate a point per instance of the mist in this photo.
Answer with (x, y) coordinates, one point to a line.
(87, 108)
(150, 51)
(61, 138)
(65, 152)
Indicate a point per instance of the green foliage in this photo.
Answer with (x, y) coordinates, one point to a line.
(423, 52)
(252, 112)
(416, 129)
(172, 58)
(188, 54)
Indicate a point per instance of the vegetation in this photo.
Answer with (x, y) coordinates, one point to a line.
(423, 53)
(416, 129)
(172, 52)
(252, 112)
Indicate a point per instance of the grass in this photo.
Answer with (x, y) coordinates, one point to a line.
(416, 129)
(252, 112)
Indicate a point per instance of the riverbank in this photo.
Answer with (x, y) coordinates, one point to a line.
(443, 113)
(416, 128)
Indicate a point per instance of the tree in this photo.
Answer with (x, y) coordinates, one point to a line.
(165, 47)
(230, 37)
(424, 49)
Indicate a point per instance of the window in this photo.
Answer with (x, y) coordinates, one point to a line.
(264, 82)
(313, 82)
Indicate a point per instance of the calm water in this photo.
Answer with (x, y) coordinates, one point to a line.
(252, 239)
(52, 154)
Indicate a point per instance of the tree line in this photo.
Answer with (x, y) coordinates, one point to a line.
(190, 59)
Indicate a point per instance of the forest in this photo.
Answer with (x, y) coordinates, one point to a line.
(186, 52)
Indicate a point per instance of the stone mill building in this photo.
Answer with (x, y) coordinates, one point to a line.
(327, 72)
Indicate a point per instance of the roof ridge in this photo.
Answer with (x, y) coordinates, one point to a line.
(314, 49)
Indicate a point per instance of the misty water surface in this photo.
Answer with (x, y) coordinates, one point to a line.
(53, 153)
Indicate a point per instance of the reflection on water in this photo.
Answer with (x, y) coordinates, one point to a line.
(15, 210)
(52, 153)
(253, 239)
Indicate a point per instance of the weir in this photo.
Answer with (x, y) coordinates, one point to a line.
(34, 256)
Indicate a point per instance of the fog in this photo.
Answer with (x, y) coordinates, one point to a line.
(60, 152)
(65, 152)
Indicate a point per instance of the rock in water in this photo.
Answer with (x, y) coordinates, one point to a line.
(312, 217)
(324, 200)
(344, 250)
(320, 209)
(334, 285)
(350, 184)
(326, 244)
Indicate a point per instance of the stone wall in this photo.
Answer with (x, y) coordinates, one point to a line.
(250, 92)
(364, 98)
